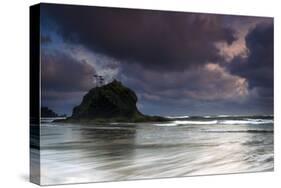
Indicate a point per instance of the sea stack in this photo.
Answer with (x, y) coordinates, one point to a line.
(111, 102)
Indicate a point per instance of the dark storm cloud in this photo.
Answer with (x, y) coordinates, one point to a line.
(60, 72)
(208, 83)
(45, 39)
(211, 89)
(156, 39)
(170, 59)
(258, 67)
(64, 80)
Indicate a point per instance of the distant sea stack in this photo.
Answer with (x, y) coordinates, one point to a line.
(112, 102)
(46, 112)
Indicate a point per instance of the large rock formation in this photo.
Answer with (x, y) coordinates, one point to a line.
(46, 112)
(111, 102)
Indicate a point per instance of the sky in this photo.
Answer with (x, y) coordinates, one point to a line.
(177, 63)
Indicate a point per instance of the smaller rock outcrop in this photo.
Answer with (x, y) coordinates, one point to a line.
(46, 112)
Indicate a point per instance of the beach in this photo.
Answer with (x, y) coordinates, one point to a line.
(77, 153)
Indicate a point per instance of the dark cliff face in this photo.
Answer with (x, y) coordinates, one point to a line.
(111, 101)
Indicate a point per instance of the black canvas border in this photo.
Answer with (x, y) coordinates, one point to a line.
(34, 96)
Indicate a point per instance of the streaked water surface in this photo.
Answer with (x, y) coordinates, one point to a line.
(73, 153)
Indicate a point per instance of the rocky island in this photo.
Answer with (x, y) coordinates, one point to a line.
(112, 102)
(46, 112)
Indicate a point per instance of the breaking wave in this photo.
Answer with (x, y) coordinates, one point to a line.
(207, 120)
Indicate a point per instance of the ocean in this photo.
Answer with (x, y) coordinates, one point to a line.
(183, 146)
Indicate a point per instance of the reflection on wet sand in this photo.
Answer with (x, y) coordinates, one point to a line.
(78, 153)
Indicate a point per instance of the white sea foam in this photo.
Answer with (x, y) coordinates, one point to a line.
(180, 122)
(165, 124)
(223, 115)
(248, 121)
(214, 122)
(185, 122)
(177, 117)
(50, 119)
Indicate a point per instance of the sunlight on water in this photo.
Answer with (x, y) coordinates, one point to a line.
(78, 153)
